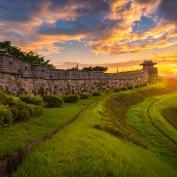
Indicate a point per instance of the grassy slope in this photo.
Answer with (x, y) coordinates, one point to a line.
(156, 109)
(81, 150)
(16, 136)
(117, 105)
(170, 114)
(157, 142)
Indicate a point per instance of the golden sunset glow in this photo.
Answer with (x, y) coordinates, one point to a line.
(94, 32)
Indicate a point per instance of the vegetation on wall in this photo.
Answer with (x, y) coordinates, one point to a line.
(90, 68)
(96, 68)
(7, 48)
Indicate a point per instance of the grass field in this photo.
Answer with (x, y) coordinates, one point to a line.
(170, 114)
(114, 137)
(18, 135)
(156, 141)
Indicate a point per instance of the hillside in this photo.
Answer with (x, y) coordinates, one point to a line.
(121, 134)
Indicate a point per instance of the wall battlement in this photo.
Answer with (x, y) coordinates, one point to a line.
(18, 76)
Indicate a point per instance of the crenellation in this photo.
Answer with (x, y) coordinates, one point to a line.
(18, 76)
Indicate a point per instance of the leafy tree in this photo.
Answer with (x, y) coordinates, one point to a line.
(29, 56)
(96, 68)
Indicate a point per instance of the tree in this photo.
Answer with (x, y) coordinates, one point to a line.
(96, 68)
(30, 56)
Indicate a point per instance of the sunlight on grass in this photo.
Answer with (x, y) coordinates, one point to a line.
(18, 135)
(81, 150)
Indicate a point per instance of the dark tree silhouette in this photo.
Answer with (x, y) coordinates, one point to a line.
(96, 68)
(30, 56)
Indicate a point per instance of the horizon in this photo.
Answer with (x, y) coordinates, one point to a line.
(114, 33)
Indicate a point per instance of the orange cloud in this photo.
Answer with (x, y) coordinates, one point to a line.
(117, 38)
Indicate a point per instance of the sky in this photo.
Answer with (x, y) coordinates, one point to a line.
(113, 33)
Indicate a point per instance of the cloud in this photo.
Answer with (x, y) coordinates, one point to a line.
(145, 1)
(168, 10)
(19, 10)
(108, 26)
(160, 59)
(82, 25)
(143, 25)
(65, 65)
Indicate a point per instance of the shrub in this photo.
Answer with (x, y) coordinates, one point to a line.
(71, 98)
(84, 95)
(5, 116)
(53, 100)
(5, 99)
(96, 93)
(130, 87)
(37, 100)
(20, 111)
(124, 88)
(35, 111)
(117, 90)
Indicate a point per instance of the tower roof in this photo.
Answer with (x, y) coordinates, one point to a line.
(148, 63)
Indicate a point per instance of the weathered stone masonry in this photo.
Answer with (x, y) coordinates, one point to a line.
(17, 76)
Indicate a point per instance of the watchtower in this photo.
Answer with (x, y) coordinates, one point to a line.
(148, 65)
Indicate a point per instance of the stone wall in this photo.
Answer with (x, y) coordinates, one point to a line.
(17, 77)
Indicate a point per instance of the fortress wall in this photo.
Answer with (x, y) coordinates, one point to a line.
(17, 77)
(18, 84)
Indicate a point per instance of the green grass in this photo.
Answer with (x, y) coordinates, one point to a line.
(156, 109)
(80, 150)
(170, 114)
(156, 141)
(18, 135)
(86, 149)
(117, 105)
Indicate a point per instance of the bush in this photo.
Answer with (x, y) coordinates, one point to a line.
(5, 116)
(117, 90)
(53, 100)
(19, 110)
(37, 100)
(71, 98)
(84, 95)
(124, 88)
(35, 111)
(6, 99)
(96, 93)
(22, 111)
(130, 87)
